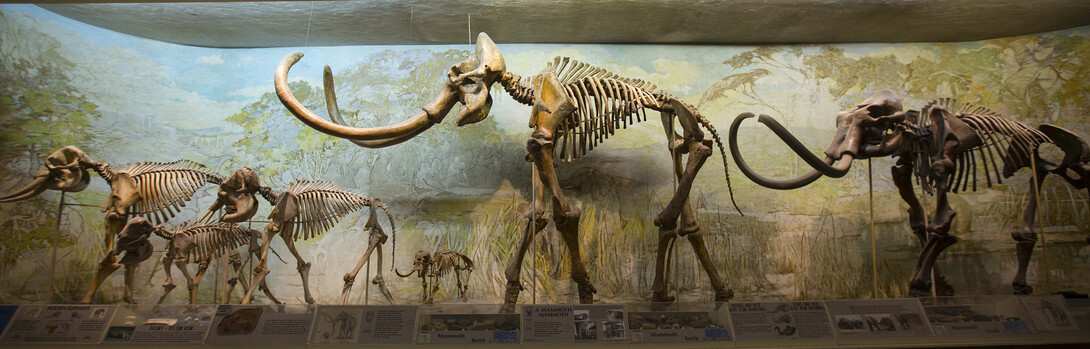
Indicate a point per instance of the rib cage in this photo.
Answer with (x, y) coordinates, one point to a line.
(604, 102)
(1002, 140)
(447, 260)
(165, 187)
(321, 205)
(214, 239)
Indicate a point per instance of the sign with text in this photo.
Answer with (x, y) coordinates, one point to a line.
(166, 324)
(879, 319)
(454, 323)
(261, 324)
(678, 322)
(972, 317)
(59, 324)
(1049, 313)
(574, 323)
(778, 321)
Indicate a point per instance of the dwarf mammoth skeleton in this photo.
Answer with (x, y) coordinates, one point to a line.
(575, 106)
(942, 148)
(145, 189)
(426, 265)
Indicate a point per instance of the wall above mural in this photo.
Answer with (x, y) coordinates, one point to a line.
(474, 186)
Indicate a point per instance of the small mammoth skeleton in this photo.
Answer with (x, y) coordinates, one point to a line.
(426, 265)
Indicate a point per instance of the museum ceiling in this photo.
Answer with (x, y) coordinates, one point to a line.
(384, 22)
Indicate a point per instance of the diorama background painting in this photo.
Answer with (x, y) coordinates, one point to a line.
(124, 99)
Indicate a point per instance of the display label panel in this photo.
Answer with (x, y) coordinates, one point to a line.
(454, 323)
(364, 324)
(883, 320)
(261, 324)
(166, 324)
(782, 321)
(1049, 313)
(679, 322)
(388, 324)
(974, 317)
(574, 324)
(59, 324)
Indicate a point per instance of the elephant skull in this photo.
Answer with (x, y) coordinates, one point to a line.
(64, 170)
(133, 240)
(238, 196)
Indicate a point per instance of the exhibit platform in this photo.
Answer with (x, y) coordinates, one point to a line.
(932, 322)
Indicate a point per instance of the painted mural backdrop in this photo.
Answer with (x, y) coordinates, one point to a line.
(124, 99)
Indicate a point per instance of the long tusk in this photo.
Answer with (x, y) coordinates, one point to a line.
(436, 110)
(786, 184)
(398, 272)
(34, 188)
(335, 116)
(823, 166)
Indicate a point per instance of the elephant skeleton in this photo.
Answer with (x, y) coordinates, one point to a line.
(942, 148)
(575, 106)
(434, 266)
(145, 189)
(199, 243)
(306, 209)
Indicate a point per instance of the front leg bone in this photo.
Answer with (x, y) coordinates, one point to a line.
(566, 217)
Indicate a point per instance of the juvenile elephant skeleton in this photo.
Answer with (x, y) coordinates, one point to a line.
(575, 107)
(427, 265)
(154, 190)
(199, 243)
(943, 148)
(306, 209)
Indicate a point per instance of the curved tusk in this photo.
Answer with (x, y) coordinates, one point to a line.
(398, 272)
(437, 109)
(795, 183)
(335, 116)
(823, 166)
(34, 188)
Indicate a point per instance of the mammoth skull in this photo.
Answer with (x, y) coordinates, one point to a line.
(420, 264)
(860, 130)
(63, 170)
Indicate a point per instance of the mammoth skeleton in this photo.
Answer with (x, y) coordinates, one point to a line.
(942, 148)
(145, 189)
(575, 106)
(306, 209)
(427, 265)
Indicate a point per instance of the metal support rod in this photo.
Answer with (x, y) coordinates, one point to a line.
(873, 236)
(367, 276)
(56, 241)
(1037, 213)
(533, 232)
